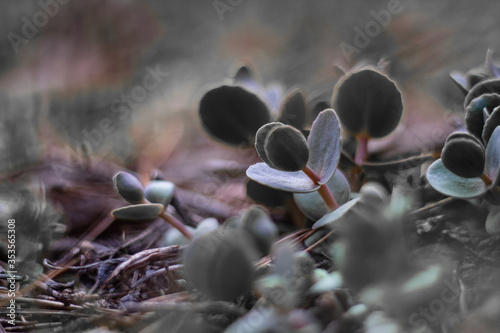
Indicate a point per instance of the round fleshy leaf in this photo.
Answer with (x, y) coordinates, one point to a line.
(312, 204)
(266, 195)
(260, 139)
(493, 157)
(375, 190)
(287, 181)
(448, 183)
(175, 237)
(204, 227)
(138, 212)
(219, 264)
(463, 154)
(233, 115)
(160, 191)
(493, 221)
(491, 124)
(324, 145)
(293, 111)
(330, 282)
(491, 86)
(474, 118)
(368, 103)
(338, 215)
(286, 148)
(263, 230)
(128, 187)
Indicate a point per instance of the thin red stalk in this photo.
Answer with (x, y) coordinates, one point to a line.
(323, 190)
(361, 150)
(176, 224)
(487, 180)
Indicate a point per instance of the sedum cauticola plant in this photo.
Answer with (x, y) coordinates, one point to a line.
(147, 203)
(470, 160)
(369, 105)
(294, 164)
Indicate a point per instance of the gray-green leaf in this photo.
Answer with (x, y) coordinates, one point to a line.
(337, 215)
(138, 212)
(160, 191)
(128, 187)
(324, 145)
(295, 181)
(493, 157)
(447, 183)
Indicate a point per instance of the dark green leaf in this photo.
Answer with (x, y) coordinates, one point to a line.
(491, 86)
(324, 145)
(368, 102)
(474, 118)
(259, 225)
(128, 187)
(266, 195)
(463, 154)
(287, 181)
(446, 182)
(260, 140)
(219, 264)
(491, 124)
(233, 115)
(286, 148)
(293, 111)
(138, 212)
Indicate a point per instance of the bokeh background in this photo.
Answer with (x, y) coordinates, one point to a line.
(63, 64)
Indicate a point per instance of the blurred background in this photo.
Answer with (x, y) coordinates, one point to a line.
(65, 66)
(91, 87)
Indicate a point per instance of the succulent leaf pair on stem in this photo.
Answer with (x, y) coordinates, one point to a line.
(147, 203)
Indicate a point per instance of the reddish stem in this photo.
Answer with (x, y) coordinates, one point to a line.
(176, 224)
(487, 180)
(323, 190)
(361, 150)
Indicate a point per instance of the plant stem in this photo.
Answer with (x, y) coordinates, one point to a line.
(176, 224)
(323, 190)
(361, 150)
(487, 180)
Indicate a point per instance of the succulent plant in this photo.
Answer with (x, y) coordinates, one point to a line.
(282, 147)
(233, 113)
(128, 187)
(466, 169)
(148, 203)
(160, 192)
(322, 149)
(314, 207)
(260, 227)
(477, 110)
(476, 75)
(369, 105)
(219, 264)
(464, 155)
